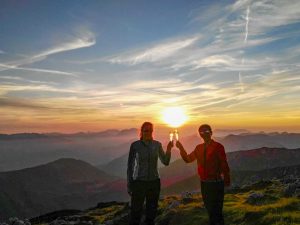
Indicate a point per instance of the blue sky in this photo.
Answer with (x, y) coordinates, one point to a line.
(92, 65)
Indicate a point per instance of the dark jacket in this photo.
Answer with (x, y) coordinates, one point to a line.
(142, 160)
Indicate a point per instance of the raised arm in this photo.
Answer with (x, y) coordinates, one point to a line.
(165, 157)
(188, 158)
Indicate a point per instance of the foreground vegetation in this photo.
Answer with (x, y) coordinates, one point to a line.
(262, 203)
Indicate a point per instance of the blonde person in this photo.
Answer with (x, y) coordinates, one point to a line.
(142, 174)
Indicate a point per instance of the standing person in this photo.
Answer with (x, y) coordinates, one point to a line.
(213, 170)
(142, 174)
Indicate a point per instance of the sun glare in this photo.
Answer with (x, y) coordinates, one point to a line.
(174, 116)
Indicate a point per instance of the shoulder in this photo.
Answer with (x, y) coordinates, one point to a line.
(157, 143)
(218, 145)
(135, 143)
(199, 146)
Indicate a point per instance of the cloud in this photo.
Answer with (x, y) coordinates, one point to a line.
(155, 53)
(13, 67)
(6, 89)
(21, 79)
(86, 39)
(17, 103)
(2, 52)
(83, 40)
(266, 15)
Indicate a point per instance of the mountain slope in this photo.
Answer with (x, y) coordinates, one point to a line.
(65, 183)
(256, 159)
(238, 178)
(257, 140)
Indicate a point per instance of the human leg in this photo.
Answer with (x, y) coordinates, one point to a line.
(152, 197)
(137, 201)
(213, 197)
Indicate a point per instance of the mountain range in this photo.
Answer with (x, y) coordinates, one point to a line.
(19, 151)
(75, 184)
(255, 159)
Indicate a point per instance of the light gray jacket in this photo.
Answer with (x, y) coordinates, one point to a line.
(142, 160)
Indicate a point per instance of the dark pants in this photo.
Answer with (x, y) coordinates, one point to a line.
(213, 197)
(142, 190)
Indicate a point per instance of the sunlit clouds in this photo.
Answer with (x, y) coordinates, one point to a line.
(155, 53)
(229, 64)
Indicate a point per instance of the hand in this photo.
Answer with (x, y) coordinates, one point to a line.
(179, 145)
(170, 145)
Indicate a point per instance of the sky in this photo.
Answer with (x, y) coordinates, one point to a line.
(68, 66)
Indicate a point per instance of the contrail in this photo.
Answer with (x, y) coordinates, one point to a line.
(245, 42)
(247, 22)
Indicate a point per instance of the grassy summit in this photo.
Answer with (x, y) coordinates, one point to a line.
(262, 203)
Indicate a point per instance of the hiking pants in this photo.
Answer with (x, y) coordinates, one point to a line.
(141, 191)
(213, 198)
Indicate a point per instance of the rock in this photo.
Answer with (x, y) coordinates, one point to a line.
(187, 197)
(16, 221)
(4, 224)
(174, 204)
(59, 222)
(290, 190)
(255, 198)
(297, 193)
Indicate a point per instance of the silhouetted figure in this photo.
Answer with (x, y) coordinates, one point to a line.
(142, 174)
(213, 171)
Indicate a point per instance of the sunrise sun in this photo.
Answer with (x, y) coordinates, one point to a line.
(174, 116)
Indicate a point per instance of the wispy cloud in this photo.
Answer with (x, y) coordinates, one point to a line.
(11, 88)
(83, 40)
(17, 103)
(23, 80)
(86, 39)
(4, 67)
(269, 14)
(155, 53)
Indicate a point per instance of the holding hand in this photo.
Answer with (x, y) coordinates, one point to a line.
(179, 145)
(170, 145)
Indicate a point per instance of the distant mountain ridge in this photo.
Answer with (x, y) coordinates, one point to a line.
(19, 151)
(105, 133)
(249, 141)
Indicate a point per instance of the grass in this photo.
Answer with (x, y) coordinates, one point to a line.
(271, 209)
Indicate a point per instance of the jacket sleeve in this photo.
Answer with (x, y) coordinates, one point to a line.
(188, 158)
(224, 165)
(164, 157)
(130, 166)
